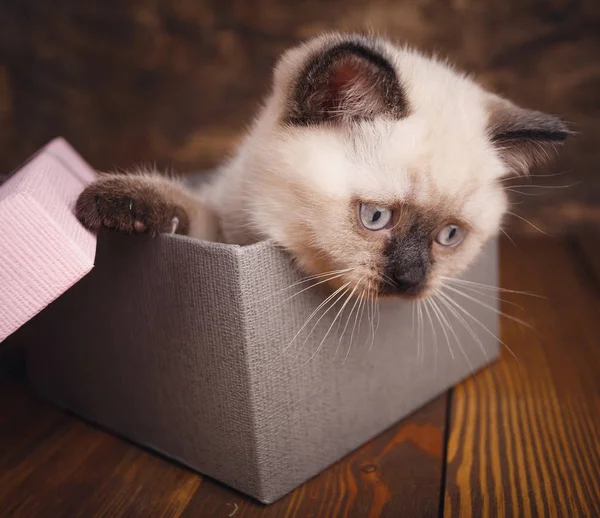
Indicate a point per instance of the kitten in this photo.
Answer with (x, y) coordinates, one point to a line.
(367, 159)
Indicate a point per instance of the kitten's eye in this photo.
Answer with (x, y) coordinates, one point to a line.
(450, 235)
(374, 217)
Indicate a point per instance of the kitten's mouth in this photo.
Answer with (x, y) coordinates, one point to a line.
(377, 287)
(402, 288)
(414, 293)
(390, 292)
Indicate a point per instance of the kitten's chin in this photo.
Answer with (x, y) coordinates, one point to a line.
(420, 294)
(399, 290)
(378, 290)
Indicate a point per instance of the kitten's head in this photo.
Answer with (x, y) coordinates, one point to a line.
(384, 166)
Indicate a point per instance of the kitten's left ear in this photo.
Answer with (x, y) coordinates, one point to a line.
(337, 79)
(523, 138)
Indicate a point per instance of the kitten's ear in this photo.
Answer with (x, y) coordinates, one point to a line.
(342, 80)
(524, 138)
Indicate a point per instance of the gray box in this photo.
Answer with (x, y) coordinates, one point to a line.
(177, 344)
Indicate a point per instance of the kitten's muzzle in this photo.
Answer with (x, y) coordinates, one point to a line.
(409, 281)
(407, 266)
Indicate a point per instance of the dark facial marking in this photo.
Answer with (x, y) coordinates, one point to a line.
(350, 77)
(408, 262)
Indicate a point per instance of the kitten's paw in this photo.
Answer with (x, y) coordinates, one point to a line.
(129, 204)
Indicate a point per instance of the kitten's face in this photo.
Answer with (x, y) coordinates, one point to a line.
(384, 167)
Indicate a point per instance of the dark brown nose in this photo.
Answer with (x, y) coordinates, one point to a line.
(407, 264)
(410, 280)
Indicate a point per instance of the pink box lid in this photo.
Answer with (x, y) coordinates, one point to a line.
(44, 250)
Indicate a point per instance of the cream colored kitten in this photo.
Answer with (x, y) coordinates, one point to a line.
(367, 157)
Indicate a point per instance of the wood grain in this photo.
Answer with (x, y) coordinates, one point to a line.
(525, 433)
(55, 465)
(396, 474)
(585, 249)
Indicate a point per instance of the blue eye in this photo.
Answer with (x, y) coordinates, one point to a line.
(450, 235)
(373, 217)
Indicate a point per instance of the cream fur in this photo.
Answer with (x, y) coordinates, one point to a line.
(298, 184)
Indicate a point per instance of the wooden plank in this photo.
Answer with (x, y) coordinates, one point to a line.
(55, 465)
(525, 433)
(585, 246)
(396, 474)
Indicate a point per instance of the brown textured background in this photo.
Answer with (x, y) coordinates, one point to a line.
(175, 82)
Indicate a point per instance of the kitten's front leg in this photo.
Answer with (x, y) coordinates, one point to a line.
(137, 203)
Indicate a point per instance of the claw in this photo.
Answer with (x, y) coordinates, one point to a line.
(174, 224)
(139, 226)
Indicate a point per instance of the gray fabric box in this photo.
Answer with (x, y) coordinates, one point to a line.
(177, 344)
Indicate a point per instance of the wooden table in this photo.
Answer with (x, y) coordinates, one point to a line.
(521, 438)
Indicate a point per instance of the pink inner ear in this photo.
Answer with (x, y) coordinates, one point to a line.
(346, 83)
(344, 76)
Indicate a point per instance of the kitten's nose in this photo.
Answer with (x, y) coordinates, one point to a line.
(409, 280)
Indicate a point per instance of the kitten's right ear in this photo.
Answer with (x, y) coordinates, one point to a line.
(340, 79)
(523, 138)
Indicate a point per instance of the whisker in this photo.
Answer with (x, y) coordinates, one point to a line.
(458, 342)
(311, 317)
(416, 303)
(444, 322)
(319, 275)
(310, 287)
(362, 315)
(369, 307)
(340, 296)
(388, 280)
(433, 332)
(354, 326)
(483, 326)
(334, 320)
(528, 222)
(420, 330)
(330, 276)
(511, 179)
(489, 287)
(467, 327)
(378, 313)
(534, 186)
(509, 238)
(487, 295)
(372, 307)
(496, 310)
(524, 193)
(348, 319)
(412, 320)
